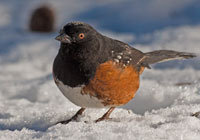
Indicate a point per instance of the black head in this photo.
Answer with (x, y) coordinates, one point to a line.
(76, 33)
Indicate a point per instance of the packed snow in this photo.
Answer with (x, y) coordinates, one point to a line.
(31, 104)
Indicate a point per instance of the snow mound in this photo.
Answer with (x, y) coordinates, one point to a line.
(31, 104)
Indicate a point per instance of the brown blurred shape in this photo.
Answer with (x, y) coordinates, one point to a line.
(42, 19)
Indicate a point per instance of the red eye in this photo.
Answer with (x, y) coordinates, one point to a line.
(81, 35)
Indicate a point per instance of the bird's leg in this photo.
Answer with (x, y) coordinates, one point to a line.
(106, 115)
(75, 117)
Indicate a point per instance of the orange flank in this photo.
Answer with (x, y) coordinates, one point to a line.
(141, 70)
(113, 84)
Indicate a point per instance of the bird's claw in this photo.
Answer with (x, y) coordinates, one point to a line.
(196, 114)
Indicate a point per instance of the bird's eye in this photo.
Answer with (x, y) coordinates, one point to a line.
(81, 35)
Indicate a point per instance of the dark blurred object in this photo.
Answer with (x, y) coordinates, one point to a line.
(42, 20)
(183, 84)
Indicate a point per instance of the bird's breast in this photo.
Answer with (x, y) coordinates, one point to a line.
(75, 96)
(112, 85)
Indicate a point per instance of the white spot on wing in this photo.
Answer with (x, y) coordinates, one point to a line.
(119, 57)
(116, 60)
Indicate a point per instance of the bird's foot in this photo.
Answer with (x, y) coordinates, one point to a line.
(74, 118)
(106, 115)
(66, 121)
(197, 114)
(102, 119)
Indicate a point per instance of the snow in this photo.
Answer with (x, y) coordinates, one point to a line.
(31, 104)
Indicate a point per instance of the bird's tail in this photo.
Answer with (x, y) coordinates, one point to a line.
(164, 55)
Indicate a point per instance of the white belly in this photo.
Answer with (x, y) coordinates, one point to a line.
(75, 96)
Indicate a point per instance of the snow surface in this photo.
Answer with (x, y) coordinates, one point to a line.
(30, 102)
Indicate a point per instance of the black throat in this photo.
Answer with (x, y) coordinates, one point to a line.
(76, 64)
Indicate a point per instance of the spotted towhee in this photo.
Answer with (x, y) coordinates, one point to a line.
(95, 71)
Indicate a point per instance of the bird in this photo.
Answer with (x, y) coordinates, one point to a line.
(95, 71)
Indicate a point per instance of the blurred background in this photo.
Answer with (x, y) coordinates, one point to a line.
(136, 19)
(28, 48)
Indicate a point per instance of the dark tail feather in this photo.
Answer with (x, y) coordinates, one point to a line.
(164, 55)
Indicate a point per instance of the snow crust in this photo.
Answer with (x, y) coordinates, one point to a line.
(31, 104)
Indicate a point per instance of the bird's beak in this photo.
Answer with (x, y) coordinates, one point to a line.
(64, 38)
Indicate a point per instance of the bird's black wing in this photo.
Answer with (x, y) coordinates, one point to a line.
(127, 55)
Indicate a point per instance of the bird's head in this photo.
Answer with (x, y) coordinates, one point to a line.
(76, 33)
